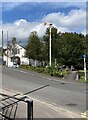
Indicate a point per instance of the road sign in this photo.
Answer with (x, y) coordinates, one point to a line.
(84, 55)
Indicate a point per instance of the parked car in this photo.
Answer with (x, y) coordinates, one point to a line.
(15, 65)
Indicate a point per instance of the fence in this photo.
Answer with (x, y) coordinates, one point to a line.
(9, 105)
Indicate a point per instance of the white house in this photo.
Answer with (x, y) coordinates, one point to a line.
(15, 53)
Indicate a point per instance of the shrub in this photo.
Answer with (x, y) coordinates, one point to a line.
(52, 71)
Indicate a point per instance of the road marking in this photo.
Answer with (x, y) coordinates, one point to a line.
(52, 106)
(57, 109)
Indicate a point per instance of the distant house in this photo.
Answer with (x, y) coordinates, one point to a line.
(15, 53)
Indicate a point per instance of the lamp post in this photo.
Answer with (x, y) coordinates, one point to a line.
(50, 55)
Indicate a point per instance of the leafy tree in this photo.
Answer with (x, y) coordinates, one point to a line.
(71, 48)
(67, 48)
(46, 40)
(33, 47)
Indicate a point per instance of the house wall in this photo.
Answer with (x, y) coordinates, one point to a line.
(20, 54)
(8, 61)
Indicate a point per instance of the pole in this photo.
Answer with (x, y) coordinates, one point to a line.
(2, 47)
(7, 48)
(50, 26)
(85, 68)
(29, 110)
(50, 46)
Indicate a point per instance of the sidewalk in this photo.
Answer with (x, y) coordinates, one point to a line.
(41, 109)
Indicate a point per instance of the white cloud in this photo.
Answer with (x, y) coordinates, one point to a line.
(75, 21)
(21, 29)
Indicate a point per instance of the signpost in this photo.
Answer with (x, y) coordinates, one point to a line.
(84, 56)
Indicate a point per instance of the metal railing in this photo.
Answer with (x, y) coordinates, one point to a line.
(9, 106)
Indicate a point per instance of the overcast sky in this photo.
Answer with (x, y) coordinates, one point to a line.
(21, 18)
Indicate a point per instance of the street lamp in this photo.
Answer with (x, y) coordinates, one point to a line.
(50, 26)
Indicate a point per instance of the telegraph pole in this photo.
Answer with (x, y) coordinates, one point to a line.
(2, 47)
(7, 48)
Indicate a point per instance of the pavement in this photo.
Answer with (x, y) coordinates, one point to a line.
(41, 109)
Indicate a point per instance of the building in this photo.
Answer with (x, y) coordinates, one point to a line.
(15, 54)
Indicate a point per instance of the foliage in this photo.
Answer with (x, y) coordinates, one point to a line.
(71, 49)
(67, 48)
(33, 48)
(82, 79)
(81, 76)
(48, 71)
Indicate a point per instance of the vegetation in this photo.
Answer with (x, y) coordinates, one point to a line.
(52, 71)
(82, 79)
(34, 47)
(81, 76)
(67, 48)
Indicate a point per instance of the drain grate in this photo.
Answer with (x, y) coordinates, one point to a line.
(71, 104)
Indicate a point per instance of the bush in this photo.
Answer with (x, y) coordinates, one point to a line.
(81, 76)
(82, 79)
(52, 71)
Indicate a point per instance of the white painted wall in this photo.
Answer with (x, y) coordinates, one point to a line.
(20, 54)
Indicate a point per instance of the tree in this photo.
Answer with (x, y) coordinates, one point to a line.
(67, 48)
(33, 47)
(70, 50)
(53, 44)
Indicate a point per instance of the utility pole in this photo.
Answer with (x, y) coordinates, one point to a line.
(2, 47)
(7, 48)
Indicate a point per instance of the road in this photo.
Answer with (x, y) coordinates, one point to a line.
(66, 95)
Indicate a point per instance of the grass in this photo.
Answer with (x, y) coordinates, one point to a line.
(82, 79)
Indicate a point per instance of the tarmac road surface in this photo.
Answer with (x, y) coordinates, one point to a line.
(63, 95)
